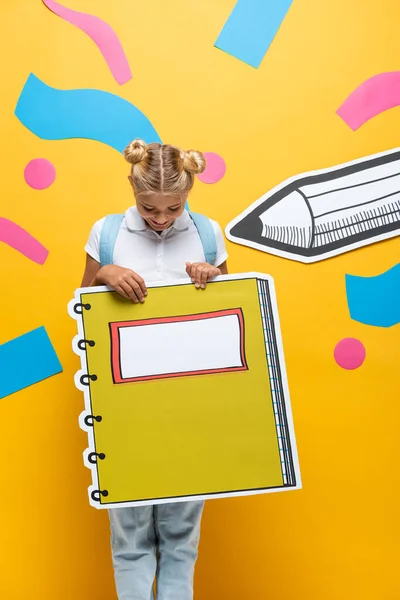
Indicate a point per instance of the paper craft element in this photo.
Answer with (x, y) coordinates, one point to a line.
(214, 395)
(102, 35)
(26, 360)
(324, 213)
(54, 114)
(251, 27)
(39, 173)
(375, 300)
(17, 238)
(215, 169)
(349, 354)
(374, 96)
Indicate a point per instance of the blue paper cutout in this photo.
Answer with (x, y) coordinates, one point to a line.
(251, 27)
(26, 360)
(375, 300)
(54, 114)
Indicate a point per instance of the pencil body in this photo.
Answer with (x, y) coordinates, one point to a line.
(321, 214)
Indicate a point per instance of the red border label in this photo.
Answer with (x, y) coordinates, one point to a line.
(115, 345)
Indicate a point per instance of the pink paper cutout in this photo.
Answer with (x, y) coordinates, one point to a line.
(350, 353)
(39, 173)
(14, 236)
(102, 35)
(372, 97)
(215, 169)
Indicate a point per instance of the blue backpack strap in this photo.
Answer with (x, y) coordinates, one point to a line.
(108, 237)
(207, 236)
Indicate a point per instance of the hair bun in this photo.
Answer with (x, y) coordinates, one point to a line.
(194, 162)
(135, 152)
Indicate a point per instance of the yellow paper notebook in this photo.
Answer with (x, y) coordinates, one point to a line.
(186, 395)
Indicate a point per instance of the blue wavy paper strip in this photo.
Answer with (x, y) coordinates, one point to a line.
(375, 300)
(26, 360)
(251, 27)
(54, 114)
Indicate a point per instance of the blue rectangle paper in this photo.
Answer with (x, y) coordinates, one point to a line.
(375, 300)
(251, 27)
(26, 360)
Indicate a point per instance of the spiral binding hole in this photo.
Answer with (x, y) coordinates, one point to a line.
(96, 494)
(82, 306)
(86, 379)
(83, 343)
(89, 420)
(92, 458)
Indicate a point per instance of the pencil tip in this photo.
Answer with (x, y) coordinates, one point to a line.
(288, 221)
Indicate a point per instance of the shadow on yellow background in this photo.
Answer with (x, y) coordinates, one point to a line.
(338, 538)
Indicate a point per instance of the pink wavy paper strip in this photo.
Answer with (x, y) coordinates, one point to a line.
(102, 35)
(371, 98)
(14, 236)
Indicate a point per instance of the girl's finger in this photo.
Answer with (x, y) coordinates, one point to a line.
(204, 277)
(122, 292)
(197, 275)
(188, 268)
(141, 283)
(136, 288)
(130, 293)
(193, 272)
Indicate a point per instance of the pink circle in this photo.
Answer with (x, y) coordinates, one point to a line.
(39, 173)
(215, 169)
(349, 353)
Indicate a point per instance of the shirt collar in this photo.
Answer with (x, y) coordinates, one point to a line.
(182, 222)
(135, 222)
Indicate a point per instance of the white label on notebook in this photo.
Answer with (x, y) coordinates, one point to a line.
(179, 346)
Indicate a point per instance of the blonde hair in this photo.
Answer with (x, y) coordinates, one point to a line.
(161, 168)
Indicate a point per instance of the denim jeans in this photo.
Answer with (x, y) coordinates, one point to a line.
(159, 542)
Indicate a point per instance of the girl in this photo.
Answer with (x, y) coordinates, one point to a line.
(157, 241)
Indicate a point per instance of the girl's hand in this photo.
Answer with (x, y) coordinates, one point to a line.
(124, 281)
(200, 273)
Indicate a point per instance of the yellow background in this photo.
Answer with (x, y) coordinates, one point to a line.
(149, 425)
(338, 538)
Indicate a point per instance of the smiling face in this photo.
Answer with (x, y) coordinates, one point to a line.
(159, 210)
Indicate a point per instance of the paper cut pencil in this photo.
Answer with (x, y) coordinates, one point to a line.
(318, 215)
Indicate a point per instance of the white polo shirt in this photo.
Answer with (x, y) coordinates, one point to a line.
(156, 256)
